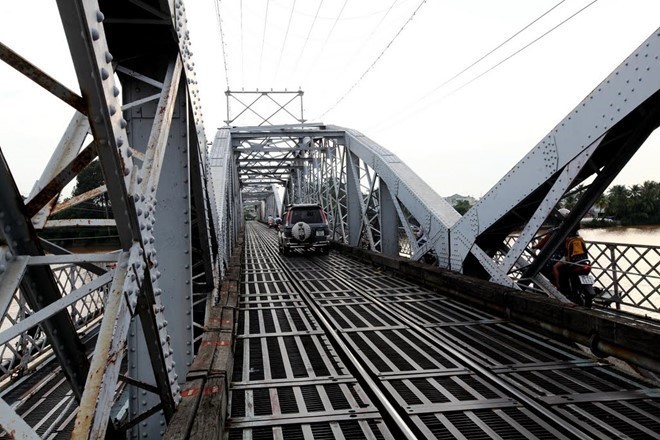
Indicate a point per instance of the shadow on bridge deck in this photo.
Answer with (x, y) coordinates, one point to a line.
(328, 347)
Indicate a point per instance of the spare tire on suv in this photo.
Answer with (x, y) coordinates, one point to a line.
(305, 226)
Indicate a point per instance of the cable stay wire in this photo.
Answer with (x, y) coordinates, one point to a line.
(388, 121)
(263, 41)
(311, 28)
(286, 35)
(222, 41)
(327, 38)
(371, 66)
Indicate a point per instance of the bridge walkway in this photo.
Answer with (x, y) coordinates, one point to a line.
(328, 347)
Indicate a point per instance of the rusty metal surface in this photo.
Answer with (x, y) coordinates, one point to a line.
(62, 179)
(40, 77)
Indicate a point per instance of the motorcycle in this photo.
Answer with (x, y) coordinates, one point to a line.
(577, 283)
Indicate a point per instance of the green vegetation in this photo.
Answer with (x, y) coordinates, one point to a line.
(634, 205)
(462, 206)
(97, 207)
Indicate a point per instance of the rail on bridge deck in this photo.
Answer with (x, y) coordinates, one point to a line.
(330, 347)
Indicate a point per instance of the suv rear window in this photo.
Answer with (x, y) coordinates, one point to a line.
(309, 215)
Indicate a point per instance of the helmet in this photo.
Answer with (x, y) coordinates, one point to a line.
(564, 212)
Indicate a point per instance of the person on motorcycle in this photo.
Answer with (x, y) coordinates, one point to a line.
(557, 255)
(574, 250)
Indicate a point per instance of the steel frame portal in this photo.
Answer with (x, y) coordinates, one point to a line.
(368, 193)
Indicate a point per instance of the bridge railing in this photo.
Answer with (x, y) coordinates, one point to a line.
(22, 352)
(629, 275)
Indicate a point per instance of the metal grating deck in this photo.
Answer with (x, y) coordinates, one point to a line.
(445, 370)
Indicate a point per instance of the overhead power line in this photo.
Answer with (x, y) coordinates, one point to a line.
(295, 68)
(426, 95)
(242, 47)
(263, 39)
(327, 38)
(222, 41)
(371, 66)
(373, 32)
(286, 35)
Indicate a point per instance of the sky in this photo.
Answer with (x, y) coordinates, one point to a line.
(412, 75)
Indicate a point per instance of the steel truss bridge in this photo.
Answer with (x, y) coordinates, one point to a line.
(195, 327)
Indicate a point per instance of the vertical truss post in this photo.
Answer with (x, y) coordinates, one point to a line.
(164, 141)
(354, 199)
(387, 218)
(134, 212)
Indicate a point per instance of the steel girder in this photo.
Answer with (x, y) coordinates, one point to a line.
(588, 147)
(149, 140)
(226, 201)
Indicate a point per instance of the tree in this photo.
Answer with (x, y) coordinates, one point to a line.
(462, 206)
(91, 177)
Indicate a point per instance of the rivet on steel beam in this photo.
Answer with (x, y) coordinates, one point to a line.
(99, 16)
(108, 57)
(127, 171)
(104, 74)
(115, 93)
(95, 34)
(120, 142)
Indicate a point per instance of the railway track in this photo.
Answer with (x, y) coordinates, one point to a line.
(330, 348)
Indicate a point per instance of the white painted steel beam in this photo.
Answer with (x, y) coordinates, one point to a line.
(581, 135)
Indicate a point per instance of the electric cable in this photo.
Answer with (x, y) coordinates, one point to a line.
(375, 61)
(286, 35)
(372, 33)
(425, 96)
(242, 48)
(222, 41)
(263, 40)
(307, 39)
(327, 38)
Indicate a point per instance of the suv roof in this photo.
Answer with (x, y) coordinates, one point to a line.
(303, 205)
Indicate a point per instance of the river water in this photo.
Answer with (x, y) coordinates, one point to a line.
(642, 235)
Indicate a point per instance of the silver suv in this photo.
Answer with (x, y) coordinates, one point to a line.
(305, 226)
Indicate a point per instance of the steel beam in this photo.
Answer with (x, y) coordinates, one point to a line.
(388, 220)
(620, 108)
(41, 78)
(38, 284)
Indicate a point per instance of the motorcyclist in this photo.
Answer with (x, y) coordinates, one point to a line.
(558, 254)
